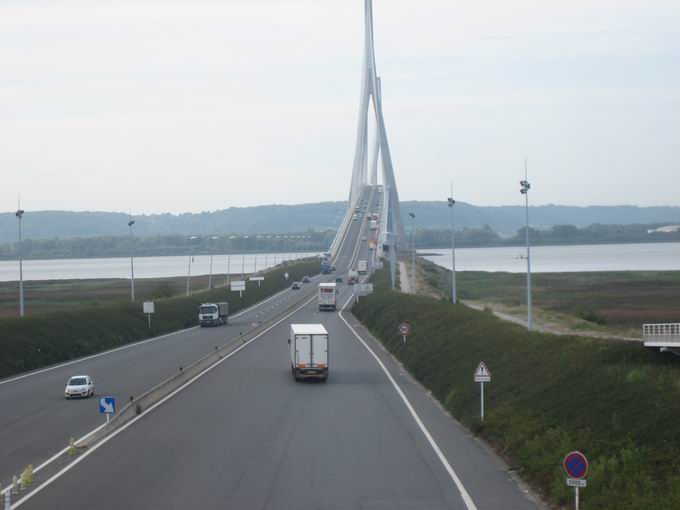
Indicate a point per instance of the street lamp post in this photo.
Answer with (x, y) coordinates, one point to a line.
(19, 214)
(454, 296)
(525, 191)
(190, 256)
(211, 262)
(132, 261)
(413, 248)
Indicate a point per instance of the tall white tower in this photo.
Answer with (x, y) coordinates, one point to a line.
(371, 95)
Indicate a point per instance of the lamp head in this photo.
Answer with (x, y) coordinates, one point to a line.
(19, 213)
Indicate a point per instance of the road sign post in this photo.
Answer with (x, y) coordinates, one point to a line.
(576, 466)
(107, 406)
(404, 330)
(238, 286)
(148, 310)
(482, 375)
(257, 279)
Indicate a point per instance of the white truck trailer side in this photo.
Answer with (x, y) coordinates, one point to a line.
(362, 267)
(309, 351)
(328, 293)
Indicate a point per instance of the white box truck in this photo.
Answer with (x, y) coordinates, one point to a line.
(213, 314)
(328, 293)
(362, 267)
(308, 351)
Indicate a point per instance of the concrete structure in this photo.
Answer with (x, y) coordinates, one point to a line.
(365, 171)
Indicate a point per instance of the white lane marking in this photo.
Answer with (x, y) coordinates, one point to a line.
(57, 455)
(160, 402)
(463, 493)
(128, 346)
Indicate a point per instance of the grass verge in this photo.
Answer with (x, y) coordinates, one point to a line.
(34, 342)
(614, 401)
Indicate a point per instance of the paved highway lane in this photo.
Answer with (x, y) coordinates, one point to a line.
(246, 436)
(36, 422)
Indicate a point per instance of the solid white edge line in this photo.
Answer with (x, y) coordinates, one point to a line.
(160, 402)
(463, 492)
(134, 344)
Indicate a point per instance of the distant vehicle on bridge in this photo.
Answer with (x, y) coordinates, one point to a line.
(326, 266)
(213, 314)
(362, 267)
(352, 278)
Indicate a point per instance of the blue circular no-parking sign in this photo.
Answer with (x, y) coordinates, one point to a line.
(576, 465)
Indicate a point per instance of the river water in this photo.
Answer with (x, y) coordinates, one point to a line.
(145, 267)
(564, 259)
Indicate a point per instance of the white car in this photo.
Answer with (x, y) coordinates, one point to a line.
(79, 386)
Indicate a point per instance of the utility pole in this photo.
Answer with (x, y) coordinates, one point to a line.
(132, 260)
(413, 249)
(454, 296)
(19, 214)
(525, 191)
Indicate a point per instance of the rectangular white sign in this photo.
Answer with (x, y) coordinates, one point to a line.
(238, 285)
(256, 278)
(364, 288)
(571, 482)
(148, 307)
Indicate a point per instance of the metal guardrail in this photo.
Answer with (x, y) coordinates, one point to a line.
(661, 330)
(665, 336)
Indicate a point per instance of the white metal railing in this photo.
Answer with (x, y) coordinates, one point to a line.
(650, 331)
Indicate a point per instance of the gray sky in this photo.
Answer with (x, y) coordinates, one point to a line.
(185, 106)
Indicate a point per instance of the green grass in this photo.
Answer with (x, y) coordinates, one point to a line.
(53, 337)
(615, 401)
(619, 299)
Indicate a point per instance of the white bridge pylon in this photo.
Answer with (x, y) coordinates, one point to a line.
(371, 96)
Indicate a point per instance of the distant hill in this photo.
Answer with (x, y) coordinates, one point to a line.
(505, 220)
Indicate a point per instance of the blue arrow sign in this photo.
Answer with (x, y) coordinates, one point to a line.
(107, 405)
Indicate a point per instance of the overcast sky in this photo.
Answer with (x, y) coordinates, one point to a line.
(187, 106)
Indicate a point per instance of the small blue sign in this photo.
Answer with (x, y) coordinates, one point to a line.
(107, 405)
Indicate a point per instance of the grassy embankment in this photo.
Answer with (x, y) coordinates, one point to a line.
(618, 302)
(48, 338)
(615, 401)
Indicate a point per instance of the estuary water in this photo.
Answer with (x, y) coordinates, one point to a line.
(563, 259)
(145, 267)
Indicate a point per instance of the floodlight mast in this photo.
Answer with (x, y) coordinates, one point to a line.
(524, 190)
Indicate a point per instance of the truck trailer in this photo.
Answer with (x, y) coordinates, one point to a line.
(213, 314)
(308, 351)
(328, 293)
(362, 267)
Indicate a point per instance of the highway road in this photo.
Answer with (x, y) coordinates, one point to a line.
(246, 436)
(36, 421)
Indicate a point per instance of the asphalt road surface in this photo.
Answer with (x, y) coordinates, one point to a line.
(36, 421)
(245, 435)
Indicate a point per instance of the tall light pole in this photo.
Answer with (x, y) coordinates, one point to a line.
(413, 248)
(454, 296)
(19, 214)
(190, 256)
(211, 261)
(525, 191)
(132, 260)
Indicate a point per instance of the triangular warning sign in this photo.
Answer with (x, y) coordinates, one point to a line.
(482, 373)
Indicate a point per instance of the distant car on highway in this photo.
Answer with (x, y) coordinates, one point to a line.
(296, 286)
(338, 279)
(305, 279)
(79, 386)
